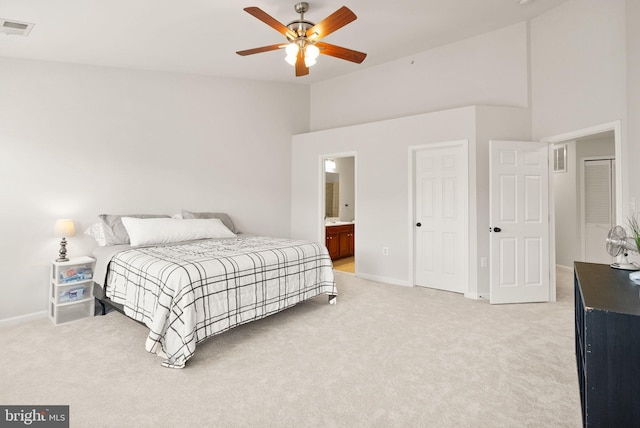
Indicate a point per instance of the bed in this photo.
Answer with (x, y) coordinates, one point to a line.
(190, 290)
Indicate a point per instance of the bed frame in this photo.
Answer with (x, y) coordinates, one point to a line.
(104, 301)
(98, 293)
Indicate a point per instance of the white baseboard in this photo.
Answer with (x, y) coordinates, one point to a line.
(382, 279)
(477, 296)
(564, 267)
(22, 319)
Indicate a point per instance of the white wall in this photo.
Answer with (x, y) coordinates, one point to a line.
(490, 69)
(77, 141)
(574, 57)
(64, 129)
(382, 183)
(583, 74)
(383, 196)
(633, 100)
(578, 69)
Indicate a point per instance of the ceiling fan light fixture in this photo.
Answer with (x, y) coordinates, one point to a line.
(292, 53)
(292, 49)
(308, 61)
(312, 52)
(291, 59)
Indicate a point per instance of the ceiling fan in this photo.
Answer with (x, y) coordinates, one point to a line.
(303, 37)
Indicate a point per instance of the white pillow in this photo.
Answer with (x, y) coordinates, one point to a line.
(96, 231)
(147, 231)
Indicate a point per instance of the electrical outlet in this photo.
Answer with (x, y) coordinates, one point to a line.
(483, 262)
(385, 251)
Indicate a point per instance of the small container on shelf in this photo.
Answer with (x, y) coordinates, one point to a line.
(71, 290)
(64, 293)
(75, 274)
(67, 313)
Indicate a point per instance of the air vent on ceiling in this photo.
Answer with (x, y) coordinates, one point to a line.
(15, 28)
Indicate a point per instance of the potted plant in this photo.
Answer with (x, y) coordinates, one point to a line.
(635, 230)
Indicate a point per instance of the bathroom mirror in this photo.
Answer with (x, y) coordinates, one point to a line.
(332, 194)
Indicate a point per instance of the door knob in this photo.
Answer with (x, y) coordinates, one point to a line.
(497, 229)
(418, 224)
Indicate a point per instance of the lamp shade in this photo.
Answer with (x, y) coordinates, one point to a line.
(64, 227)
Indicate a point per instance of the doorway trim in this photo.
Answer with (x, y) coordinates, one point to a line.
(621, 188)
(412, 151)
(321, 230)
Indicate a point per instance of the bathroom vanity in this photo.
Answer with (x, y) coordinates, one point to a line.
(340, 239)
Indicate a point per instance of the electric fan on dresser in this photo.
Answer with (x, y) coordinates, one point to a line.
(618, 243)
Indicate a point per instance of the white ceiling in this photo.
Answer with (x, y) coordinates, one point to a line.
(202, 36)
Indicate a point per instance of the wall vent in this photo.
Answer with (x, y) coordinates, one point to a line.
(15, 28)
(560, 158)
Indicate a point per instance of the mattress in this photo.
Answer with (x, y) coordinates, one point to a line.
(188, 292)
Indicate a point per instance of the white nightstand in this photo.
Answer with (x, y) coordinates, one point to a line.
(71, 290)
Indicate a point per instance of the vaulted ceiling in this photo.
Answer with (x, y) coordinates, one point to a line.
(202, 36)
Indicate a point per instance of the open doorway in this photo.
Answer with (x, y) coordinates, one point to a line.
(568, 231)
(584, 195)
(339, 210)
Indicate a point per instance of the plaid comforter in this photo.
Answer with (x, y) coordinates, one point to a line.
(188, 292)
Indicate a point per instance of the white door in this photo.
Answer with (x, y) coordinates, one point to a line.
(519, 222)
(598, 212)
(441, 231)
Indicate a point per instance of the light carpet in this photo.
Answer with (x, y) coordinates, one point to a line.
(383, 356)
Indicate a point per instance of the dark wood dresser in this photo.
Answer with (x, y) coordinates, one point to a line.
(607, 322)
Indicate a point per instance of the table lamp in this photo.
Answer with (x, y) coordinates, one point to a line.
(64, 227)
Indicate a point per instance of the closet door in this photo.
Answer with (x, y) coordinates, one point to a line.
(598, 192)
(441, 225)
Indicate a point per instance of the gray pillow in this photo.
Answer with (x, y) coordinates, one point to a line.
(224, 218)
(114, 231)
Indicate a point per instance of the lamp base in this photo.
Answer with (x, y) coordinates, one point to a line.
(63, 251)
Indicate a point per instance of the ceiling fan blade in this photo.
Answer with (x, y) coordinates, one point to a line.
(340, 52)
(270, 21)
(260, 49)
(301, 67)
(331, 23)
